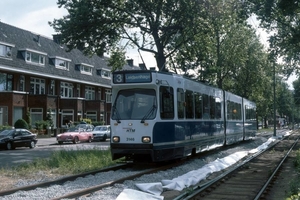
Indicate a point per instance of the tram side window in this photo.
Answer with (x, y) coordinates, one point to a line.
(198, 105)
(206, 107)
(180, 103)
(189, 107)
(218, 108)
(234, 111)
(250, 113)
(166, 102)
(212, 107)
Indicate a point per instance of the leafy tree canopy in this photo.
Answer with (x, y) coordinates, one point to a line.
(281, 18)
(151, 26)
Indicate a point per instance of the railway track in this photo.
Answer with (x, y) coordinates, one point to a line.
(130, 172)
(61, 180)
(128, 175)
(251, 179)
(90, 190)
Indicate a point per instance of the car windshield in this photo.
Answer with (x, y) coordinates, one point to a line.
(100, 128)
(134, 104)
(73, 129)
(6, 132)
(80, 128)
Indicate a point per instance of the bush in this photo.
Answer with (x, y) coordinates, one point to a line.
(98, 123)
(42, 124)
(4, 127)
(21, 123)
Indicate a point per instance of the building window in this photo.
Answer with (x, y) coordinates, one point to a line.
(102, 117)
(67, 117)
(92, 115)
(90, 93)
(36, 114)
(5, 50)
(78, 90)
(99, 94)
(37, 86)
(22, 83)
(6, 82)
(51, 90)
(66, 89)
(17, 113)
(61, 63)
(3, 116)
(108, 95)
(35, 57)
(105, 74)
(85, 68)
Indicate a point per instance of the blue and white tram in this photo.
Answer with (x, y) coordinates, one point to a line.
(161, 116)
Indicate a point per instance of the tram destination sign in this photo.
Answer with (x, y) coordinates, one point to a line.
(132, 78)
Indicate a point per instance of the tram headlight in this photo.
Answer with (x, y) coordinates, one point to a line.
(146, 139)
(116, 139)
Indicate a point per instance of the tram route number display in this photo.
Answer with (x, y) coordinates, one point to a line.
(132, 78)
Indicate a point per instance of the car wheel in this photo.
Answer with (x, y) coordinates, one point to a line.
(76, 140)
(90, 140)
(104, 138)
(9, 146)
(60, 142)
(32, 145)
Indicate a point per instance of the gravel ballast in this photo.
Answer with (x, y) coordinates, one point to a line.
(111, 193)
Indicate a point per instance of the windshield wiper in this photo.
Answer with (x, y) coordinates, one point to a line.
(115, 110)
(151, 110)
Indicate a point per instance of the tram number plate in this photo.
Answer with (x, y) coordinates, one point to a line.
(130, 139)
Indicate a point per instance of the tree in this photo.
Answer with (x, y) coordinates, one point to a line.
(159, 27)
(221, 51)
(117, 59)
(281, 19)
(296, 85)
(285, 100)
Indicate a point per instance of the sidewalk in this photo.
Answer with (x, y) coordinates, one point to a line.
(46, 141)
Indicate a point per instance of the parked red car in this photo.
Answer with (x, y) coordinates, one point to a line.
(79, 133)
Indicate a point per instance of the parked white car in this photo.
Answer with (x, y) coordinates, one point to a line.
(101, 133)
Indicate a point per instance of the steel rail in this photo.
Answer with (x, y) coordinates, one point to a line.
(188, 195)
(275, 172)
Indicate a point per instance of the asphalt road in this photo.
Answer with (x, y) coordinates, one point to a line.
(44, 149)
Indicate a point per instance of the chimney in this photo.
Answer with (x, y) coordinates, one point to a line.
(130, 62)
(38, 39)
(142, 66)
(57, 38)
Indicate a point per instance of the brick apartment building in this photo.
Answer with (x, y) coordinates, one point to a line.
(39, 77)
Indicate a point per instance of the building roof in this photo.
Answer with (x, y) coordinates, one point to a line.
(23, 40)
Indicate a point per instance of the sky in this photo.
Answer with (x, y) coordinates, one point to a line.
(34, 15)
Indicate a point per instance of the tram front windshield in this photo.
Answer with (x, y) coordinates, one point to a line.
(136, 104)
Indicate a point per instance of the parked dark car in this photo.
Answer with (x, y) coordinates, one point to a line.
(10, 139)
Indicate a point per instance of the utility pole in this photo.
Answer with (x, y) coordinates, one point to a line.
(274, 99)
